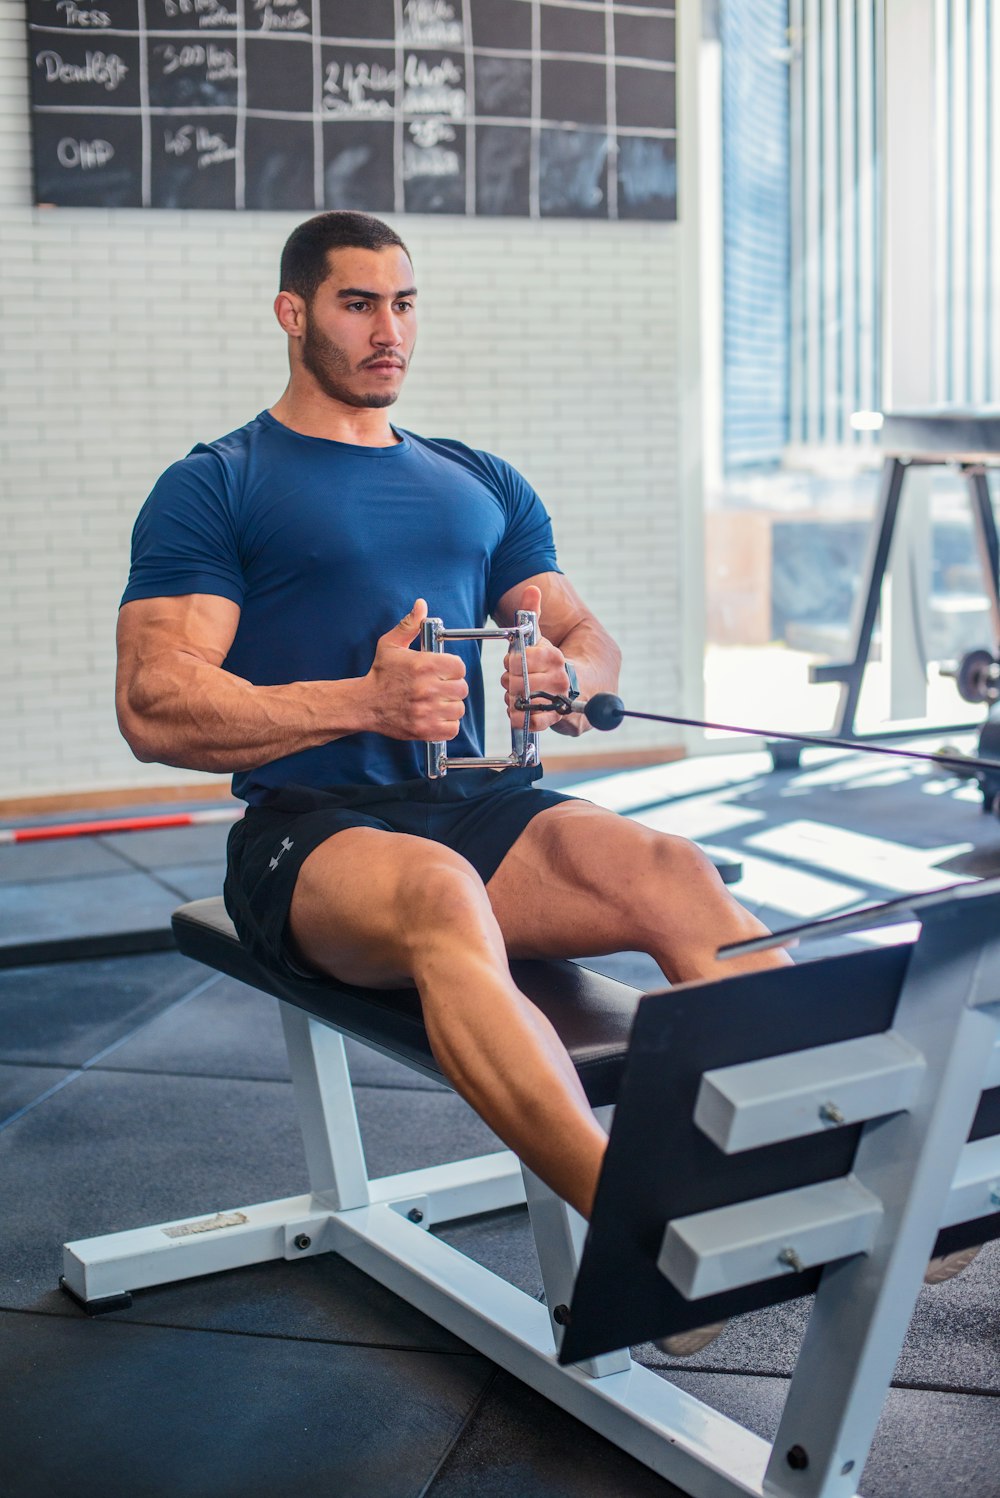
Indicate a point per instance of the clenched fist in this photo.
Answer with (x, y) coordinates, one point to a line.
(415, 695)
(546, 671)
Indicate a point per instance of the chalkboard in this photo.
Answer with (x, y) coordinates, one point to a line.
(523, 108)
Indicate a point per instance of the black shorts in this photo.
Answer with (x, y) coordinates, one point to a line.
(477, 813)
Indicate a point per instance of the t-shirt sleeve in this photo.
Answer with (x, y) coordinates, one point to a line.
(185, 539)
(527, 546)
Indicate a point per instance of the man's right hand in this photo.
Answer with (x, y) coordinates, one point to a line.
(415, 695)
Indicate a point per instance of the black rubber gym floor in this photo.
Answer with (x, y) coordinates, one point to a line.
(142, 1087)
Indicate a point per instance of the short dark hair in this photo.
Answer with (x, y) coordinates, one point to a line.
(304, 265)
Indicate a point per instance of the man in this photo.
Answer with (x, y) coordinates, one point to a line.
(261, 633)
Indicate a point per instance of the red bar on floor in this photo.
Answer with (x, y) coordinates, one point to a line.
(119, 824)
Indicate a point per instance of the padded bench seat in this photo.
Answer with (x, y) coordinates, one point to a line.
(592, 1014)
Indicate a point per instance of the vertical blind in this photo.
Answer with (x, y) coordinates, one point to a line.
(835, 107)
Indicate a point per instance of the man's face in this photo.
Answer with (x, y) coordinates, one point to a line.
(361, 327)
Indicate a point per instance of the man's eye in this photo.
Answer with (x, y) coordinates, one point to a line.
(357, 306)
(404, 306)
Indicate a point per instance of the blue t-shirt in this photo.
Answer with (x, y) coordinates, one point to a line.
(325, 546)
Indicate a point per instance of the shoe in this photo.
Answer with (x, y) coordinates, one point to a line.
(945, 1268)
(686, 1344)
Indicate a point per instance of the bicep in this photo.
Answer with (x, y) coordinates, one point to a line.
(562, 608)
(198, 627)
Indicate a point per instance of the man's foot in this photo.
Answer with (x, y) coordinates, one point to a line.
(948, 1265)
(686, 1344)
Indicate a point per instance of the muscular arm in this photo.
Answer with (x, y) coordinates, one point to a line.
(177, 704)
(569, 630)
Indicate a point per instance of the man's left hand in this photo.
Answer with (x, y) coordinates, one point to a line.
(546, 671)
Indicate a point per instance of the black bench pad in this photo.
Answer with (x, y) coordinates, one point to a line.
(592, 1014)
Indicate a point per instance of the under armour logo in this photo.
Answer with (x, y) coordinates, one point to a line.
(286, 843)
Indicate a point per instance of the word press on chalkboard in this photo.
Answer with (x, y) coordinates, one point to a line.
(529, 108)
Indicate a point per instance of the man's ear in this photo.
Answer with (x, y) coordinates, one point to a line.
(290, 310)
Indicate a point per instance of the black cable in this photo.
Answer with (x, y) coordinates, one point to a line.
(605, 711)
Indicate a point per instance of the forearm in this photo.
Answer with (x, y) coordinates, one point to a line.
(200, 717)
(597, 660)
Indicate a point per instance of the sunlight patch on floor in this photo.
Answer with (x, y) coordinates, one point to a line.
(698, 819)
(779, 886)
(835, 850)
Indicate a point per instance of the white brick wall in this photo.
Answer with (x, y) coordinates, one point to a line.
(127, 336)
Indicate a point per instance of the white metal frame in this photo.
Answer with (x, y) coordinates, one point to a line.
(381, 1225)
(911, 1174)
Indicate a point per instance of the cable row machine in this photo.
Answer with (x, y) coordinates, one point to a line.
(817, 1129)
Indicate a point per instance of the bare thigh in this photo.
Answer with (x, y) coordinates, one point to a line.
(363, 896)
(572, 882)
(583, 882)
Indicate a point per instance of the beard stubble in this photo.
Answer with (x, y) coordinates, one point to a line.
(330, 367)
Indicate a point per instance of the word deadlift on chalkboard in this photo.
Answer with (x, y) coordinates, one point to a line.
(524, 108)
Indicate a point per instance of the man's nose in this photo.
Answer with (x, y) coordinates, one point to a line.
(386, 332)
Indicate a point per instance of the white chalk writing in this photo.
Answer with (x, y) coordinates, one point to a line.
(75, 16)
(429, 133)
(347, 86)
(209, 12)
(292, 20)
(178, 142)
(85, 154)
(433, 89)
(218, 62)
(107, 70)
(209, 147)
(281, 15)
(436, 162)
(222, 152)
(431, 22)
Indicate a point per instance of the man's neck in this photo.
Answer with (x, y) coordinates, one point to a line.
(313, 414)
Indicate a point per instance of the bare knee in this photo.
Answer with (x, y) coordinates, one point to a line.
(695, 914)
(367, 903)
(667, 882)
(676, 858)
(440, 897)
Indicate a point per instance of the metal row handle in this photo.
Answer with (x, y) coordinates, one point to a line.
(523, 743)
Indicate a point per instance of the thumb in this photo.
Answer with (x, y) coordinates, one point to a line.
(531, 600)
(408, 627)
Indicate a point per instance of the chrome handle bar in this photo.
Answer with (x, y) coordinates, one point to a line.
(523, 743)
